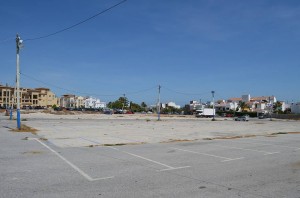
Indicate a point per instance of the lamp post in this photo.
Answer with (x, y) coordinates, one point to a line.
(123, 103)
(18, 45)
(158, 104)
(213, 98)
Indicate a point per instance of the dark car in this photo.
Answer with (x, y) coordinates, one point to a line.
(242, 118)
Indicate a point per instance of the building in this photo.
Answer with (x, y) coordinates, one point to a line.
(226, 106)
(79, 102)
(73, 101)
(6, 96)
(44, 97)
(68, 101)
(172, 104)
(38, 97)
(195, 105)
(295, 108)
(254, 104)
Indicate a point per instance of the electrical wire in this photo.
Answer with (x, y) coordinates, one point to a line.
(85, 93)
(6, 40)
(182, 93)
(76, 24)
(141, 91)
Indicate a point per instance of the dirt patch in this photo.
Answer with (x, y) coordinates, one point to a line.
(230, 137)
(123, 144)
(207, 139)
(293, 132)
(32, 152)
(25, 128)
(178, 140)
(235, 137)
(117, 144)
(270, 135)
(296, 165)
(279, 133)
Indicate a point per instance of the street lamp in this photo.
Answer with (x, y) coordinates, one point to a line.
(19, 44)
(158, 104)
(213, 97)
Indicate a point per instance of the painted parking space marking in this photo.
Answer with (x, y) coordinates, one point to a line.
(168, 168)
(245, 149)
(226, 159)
(265, 144)
(86, 176)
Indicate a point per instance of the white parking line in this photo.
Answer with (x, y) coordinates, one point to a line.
(150, 160)
(292, 147)
(226, 158)
(259, 151)
(86, 176)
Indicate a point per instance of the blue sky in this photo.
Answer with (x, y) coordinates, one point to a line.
(189, 47)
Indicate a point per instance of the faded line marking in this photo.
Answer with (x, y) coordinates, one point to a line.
(233, 159)
(167, 169)
(150, 160)
(271, 153)
(259, 151)
(292, 147)
(226, 158)
(86, 176)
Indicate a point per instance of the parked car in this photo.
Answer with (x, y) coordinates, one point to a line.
(263, 116)
(107, 112)
(242, 118)
(57, 109)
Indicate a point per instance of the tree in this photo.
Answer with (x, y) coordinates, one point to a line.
(135, 107)
(170, 110)
(242, 105)
(118, 104)
(277, 107)
(144, 106)
(186, 110)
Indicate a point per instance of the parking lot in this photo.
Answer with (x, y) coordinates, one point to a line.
(261, 166)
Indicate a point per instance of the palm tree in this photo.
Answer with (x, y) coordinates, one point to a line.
(242, 105)
(277, 106)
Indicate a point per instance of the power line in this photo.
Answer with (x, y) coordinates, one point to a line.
(85, 93)
(76, 24)
(183, 93)
(8, 39)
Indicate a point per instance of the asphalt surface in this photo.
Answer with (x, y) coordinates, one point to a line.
(263, 166)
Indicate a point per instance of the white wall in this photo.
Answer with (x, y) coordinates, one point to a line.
(295, 108)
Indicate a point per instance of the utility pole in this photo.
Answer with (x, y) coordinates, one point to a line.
(6, 97)
(19, 45)
(213, 97)
(158, 104)
(123, 103)
(271, 109)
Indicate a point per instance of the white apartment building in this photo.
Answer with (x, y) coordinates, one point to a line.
(91, 102)
(195, 105)
(172, 104)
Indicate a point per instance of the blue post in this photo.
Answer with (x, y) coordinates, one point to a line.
(18, 118)
(10, 113)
